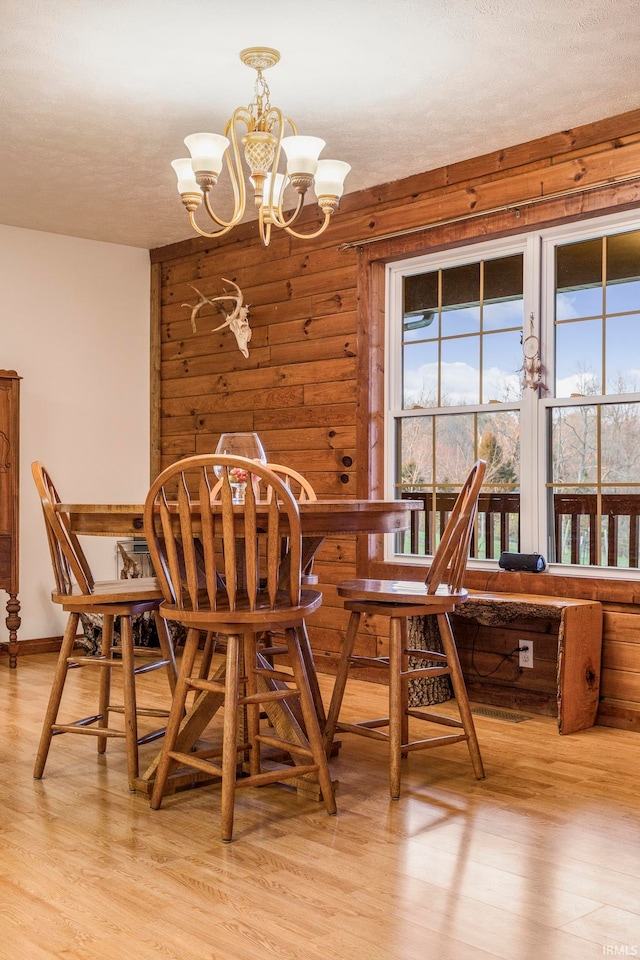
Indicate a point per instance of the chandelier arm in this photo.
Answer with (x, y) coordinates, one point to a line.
(278, 217)
(310, 236)
(204, 233)
(276, 214)
(264, 227)
(275, 115)
(240, 113)
(236, 172)
(237, 183)
(227, 224)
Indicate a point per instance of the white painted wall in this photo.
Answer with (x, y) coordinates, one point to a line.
(74, 323)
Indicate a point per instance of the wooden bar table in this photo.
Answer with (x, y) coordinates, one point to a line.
(318, 518)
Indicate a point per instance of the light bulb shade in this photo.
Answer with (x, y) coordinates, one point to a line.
(207, 151)
(279, 184)
(186, 178)
(278, 189)
(330, 177)
(302, 154)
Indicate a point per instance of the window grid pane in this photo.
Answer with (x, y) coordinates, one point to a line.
(448, 307)
(435, 480)
(462, 332)
(594, 492)
(461, 350)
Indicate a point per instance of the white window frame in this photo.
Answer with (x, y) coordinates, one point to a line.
(538, 250)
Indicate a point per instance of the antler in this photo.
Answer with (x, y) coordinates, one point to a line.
(237, 320)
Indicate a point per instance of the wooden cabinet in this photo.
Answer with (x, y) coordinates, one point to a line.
(9, 497)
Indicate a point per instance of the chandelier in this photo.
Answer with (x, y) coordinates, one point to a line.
(264, 142)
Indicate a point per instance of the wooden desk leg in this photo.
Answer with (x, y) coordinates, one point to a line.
(579, 655)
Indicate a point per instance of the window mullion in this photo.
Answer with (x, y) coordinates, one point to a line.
(532, 460)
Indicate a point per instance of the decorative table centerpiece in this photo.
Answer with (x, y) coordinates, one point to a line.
(238, 479)
(246, 445)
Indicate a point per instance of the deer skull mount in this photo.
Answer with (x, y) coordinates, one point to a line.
(237, 320)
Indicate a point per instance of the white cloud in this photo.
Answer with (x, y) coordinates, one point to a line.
(565, 306)
(460, 383)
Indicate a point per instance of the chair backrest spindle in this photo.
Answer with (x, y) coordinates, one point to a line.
(70, 566)
(450, 559)
(210, 552)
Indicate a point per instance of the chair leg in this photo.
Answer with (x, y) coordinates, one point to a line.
(460, 691)
(396, 706)
(56, 694)
(129, 692)
(296, 637)
(175, 717)
(251, 712)
(341, 680)
(230, 736)
(310, 671)
(104, 696)
(207, 654)
(404, 686)
(166, 649)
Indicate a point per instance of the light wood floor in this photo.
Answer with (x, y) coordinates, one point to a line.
(541, 860)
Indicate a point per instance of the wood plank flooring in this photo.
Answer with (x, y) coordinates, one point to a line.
(541, 860)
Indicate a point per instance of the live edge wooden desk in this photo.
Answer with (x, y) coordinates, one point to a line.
(318, 519)
(579, 646)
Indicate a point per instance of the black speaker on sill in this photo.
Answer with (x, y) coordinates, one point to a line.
(522, 562)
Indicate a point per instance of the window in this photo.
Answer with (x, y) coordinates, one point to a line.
(525, 352)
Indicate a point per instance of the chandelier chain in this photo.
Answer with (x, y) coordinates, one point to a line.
(260, 108)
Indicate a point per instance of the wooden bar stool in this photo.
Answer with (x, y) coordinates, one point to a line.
(303, 491)
(223, 569)
(441, 591)
(77, 592)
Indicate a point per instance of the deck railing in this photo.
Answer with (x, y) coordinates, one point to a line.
(576, 529)
(582, 533)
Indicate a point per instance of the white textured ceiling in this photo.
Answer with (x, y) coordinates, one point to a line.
(96, 96)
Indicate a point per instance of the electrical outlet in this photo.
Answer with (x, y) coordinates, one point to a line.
(525, 656)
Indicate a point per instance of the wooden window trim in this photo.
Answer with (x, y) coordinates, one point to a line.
(371, 309)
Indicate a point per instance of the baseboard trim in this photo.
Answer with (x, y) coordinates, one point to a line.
(37, 645)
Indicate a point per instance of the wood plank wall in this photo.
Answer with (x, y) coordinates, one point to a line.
(312, 386)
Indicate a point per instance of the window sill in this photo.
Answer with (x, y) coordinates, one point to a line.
(554, 582)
